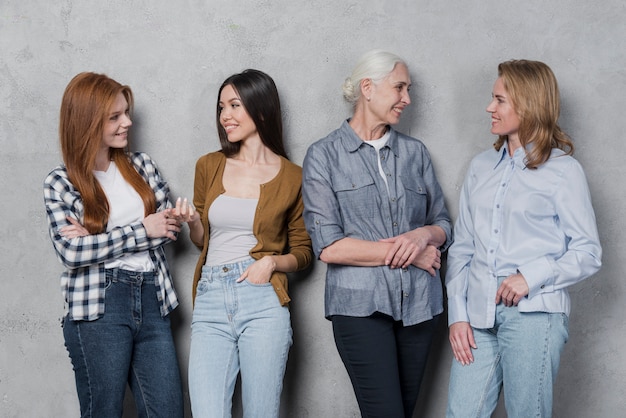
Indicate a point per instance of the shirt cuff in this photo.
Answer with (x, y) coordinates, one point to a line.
(457, 309)
(538, 275)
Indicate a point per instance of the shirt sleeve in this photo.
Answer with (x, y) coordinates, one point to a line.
(148, 169)
(437, 212)
(460, 255)
(61, 201)
(577, 221)
(322, 215)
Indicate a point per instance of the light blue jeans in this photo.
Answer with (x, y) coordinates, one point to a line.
(237, 327)
(521, 354)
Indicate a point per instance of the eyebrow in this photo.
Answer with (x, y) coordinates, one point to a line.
(230, 100)
(402, 83)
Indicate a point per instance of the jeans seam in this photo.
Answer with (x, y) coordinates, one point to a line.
(84, 359)
(540, 387)
(483, 398)
(141, 391)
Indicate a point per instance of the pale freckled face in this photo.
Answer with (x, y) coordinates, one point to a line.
(118, 123)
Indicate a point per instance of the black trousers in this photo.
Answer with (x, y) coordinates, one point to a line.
(385, 361)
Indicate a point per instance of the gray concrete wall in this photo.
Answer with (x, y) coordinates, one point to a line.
(175, 54)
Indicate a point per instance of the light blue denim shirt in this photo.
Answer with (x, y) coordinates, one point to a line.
(345, 196)
(539, 222)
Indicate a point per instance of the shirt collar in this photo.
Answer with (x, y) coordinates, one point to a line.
(352, 142)
(519, 157)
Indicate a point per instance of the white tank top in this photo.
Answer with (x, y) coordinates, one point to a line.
(231, 236)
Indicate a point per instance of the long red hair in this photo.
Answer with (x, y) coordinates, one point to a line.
(85, 107)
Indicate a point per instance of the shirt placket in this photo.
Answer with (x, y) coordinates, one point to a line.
(389, 170)
(497, 224)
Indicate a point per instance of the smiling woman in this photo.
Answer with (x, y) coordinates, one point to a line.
(508, 303)
(376, 216)
(248, 224)
(108, 224)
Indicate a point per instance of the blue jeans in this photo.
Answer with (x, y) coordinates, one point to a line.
(131, 344)
(520, 353)
(385, 361)
(237, 327)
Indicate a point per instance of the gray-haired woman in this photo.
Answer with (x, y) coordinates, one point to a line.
(376, 217)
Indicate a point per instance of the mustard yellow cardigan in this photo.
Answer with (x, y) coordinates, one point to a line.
(278, 224)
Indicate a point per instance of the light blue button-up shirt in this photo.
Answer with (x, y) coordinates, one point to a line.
(346, 196)
(539, 222)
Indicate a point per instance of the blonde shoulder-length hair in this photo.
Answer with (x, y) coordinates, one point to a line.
(534, 93)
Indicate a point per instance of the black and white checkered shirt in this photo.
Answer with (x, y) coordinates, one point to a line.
(83, 281)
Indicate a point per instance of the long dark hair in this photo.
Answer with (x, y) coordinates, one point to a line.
(259, 97)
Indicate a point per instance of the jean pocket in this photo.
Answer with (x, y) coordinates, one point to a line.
(203, 287)
(268, 284)
(108, 282)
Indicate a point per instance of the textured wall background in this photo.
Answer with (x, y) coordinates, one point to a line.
(175, 54)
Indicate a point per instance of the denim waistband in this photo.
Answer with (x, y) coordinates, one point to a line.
(238, 266)
(129, 276)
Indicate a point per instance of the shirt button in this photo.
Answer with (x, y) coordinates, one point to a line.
(542, 286)
(406, 295)
(225, 269)
(395, 224)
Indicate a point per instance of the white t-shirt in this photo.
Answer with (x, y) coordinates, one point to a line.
(125, 207)
(378, 144)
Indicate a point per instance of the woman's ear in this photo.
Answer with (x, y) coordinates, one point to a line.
(366, 88)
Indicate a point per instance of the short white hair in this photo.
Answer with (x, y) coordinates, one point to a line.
(375, 65)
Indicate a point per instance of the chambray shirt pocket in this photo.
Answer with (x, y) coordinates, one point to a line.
(358, 197)
(416, 200)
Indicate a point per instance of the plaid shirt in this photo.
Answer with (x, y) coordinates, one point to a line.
(83, 281)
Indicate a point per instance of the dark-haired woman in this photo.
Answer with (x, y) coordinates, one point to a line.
(248, 223)
(109, 218)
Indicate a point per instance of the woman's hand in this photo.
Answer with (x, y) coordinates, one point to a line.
(406, 247)
(429, 260)
(260, 271)
(512, 290)
(161, 225)
(462, 342)
(184, 211)
(74, 230)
